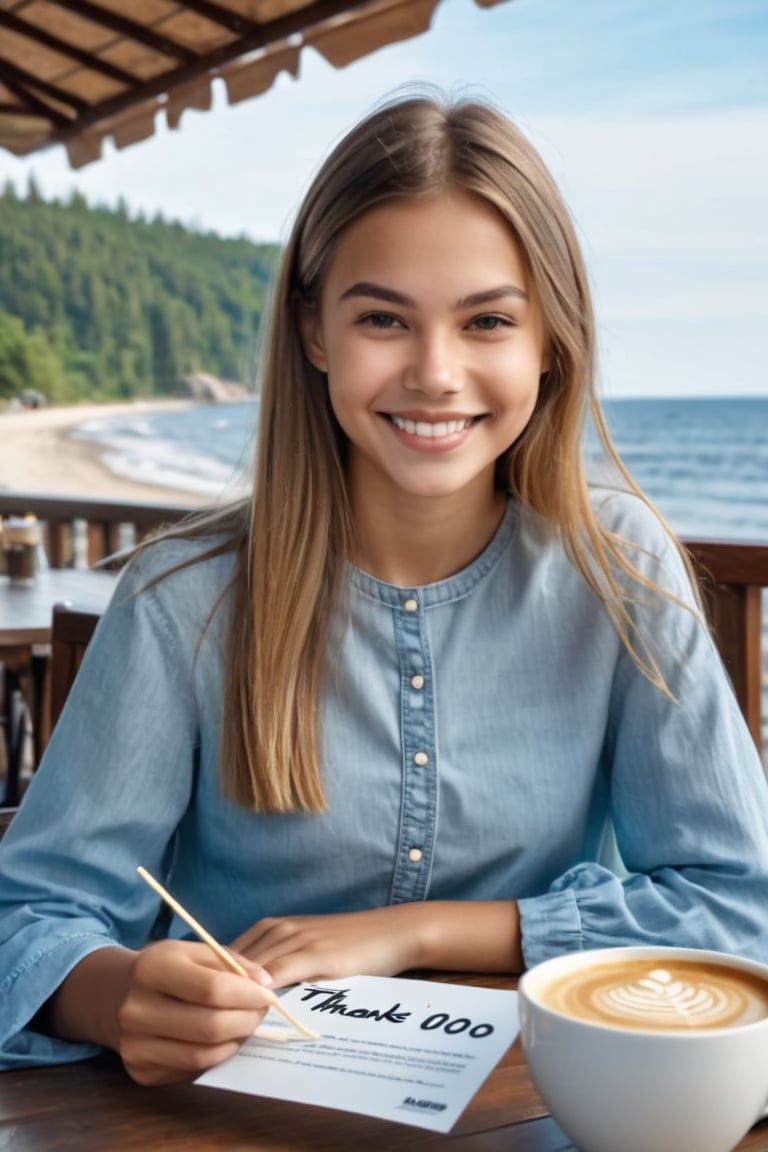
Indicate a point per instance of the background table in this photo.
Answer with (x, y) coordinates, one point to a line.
(25, 610)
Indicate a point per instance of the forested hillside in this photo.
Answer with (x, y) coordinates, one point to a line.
(95, 304)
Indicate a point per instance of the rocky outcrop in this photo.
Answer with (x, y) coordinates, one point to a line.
(210, 389)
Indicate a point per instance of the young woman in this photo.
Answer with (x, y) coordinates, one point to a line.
(393, 711)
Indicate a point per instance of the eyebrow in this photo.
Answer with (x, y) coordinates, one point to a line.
(390, 296)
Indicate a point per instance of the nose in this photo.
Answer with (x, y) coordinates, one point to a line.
(434, 368)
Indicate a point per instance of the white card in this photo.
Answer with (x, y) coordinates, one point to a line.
(413, 1051)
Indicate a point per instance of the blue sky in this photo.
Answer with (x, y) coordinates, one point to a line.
(652, 114)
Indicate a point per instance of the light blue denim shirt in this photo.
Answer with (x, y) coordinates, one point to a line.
(480, 735)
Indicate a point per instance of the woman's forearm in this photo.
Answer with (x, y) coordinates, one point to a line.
(85, 1006)
(467, 936)
(452, 935)
(470, 936)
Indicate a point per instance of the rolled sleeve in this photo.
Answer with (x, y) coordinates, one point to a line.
(550, 925)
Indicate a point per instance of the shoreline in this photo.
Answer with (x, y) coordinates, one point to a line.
(39, 454)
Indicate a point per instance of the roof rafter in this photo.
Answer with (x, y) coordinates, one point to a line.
(225, 17)
(32, 105)
(138, 32)
(64, 48)
(27, 80)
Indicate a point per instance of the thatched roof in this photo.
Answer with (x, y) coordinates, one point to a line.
(75, 71)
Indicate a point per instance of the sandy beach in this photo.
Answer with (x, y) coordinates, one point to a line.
(38, 454)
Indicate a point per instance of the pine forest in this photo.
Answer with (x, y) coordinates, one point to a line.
(98, 305)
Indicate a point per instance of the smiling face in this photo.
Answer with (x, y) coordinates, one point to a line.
(433, 343)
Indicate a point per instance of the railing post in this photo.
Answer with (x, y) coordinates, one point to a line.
(736, 616)
(59, 543)
(103, 539)
(732, 575)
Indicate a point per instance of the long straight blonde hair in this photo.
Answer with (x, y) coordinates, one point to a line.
(293, 536)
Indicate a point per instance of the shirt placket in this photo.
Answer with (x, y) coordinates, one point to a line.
(418, 742)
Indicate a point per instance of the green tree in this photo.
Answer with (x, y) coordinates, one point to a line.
(27, 360)
(108, 305)
(13, 356)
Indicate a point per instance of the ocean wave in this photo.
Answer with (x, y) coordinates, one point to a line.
(196, 450)
(704, 463)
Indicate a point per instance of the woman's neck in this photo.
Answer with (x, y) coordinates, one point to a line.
(423, 540)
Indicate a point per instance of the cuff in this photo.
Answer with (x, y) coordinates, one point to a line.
(550, 925)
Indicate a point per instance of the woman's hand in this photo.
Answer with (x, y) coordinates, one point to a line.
(184, 1013)
(381, 942)
(169, 1010)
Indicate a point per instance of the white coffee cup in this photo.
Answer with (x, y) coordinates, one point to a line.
(648, 1049)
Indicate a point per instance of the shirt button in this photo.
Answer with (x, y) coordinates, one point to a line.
(415, 855)
(411, 605)
(421, 759)
(417, 681)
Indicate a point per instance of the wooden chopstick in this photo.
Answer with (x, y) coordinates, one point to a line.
(226, 957)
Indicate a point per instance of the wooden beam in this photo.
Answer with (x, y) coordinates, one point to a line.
(64, 48)
(17, 111)
(224, 17)
(27, 81)
(128, 28)
(31, 104)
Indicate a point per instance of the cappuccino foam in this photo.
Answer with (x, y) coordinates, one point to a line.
(661, 995)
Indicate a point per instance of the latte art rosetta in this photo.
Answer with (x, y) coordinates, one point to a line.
(660, 998)
(678, 996)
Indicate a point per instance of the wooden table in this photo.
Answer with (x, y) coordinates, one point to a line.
(25, 610)
(95, 1107)
(25, 633)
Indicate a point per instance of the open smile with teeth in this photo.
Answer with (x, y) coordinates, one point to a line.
(434, 430)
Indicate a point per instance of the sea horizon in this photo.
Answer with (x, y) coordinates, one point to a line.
(703, 461)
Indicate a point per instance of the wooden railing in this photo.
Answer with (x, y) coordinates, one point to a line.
(732, 574)
(107, 525)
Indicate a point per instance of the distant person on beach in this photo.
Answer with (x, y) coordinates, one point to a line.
(429, 699)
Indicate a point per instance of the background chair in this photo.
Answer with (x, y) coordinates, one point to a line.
(71, 632)
(6, 815)
(15, 721)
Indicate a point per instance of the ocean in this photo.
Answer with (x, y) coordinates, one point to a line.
(703, 462)
(203, 450)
